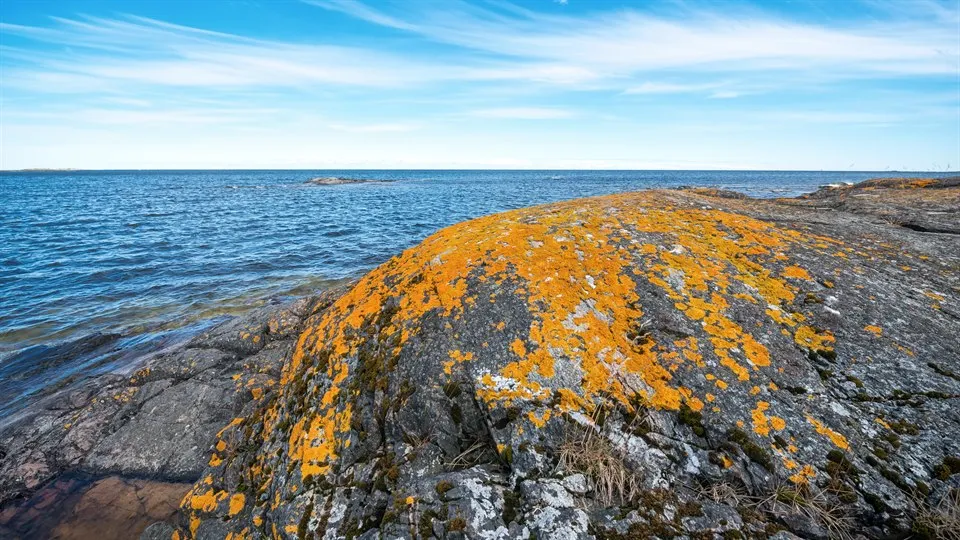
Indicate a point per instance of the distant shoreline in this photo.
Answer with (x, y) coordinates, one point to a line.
(441, 169)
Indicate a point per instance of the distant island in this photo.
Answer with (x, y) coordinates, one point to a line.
(42, 169)
(339, 180)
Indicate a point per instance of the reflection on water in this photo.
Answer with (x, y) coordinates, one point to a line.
(80, 507)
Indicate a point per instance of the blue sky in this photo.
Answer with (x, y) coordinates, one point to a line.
(721, 84)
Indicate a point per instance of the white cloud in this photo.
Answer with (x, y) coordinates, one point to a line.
(670, 88)
(524, 113)
(628, 41)
(373, 128)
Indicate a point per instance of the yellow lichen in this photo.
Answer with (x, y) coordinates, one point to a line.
(839, 440)
(873, 329)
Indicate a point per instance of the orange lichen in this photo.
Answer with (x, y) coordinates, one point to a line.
(763, 423)
(804, 476)
(796, 272)
(839, 440)
(873, 329)
(236, 504)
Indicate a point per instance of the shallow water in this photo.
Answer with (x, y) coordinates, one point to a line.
(129, 252)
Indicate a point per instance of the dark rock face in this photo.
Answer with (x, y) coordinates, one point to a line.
(657, 364)
(160, 422)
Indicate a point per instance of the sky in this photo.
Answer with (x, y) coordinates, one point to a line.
(575, 84)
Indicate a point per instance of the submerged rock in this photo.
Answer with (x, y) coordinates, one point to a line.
(338, 181)
(656, 364)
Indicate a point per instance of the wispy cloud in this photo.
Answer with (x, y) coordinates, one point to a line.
(628, 41)
(643, 84)
(671, 88)
(525, 113)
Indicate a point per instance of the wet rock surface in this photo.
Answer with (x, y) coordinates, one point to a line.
(159, 423)
(661, 364)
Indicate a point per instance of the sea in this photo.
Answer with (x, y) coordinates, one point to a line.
(135, 260)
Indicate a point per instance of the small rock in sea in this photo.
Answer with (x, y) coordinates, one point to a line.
(336, 181)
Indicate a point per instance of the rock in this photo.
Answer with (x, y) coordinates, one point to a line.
(337, 181)
(162, 420)
(658, 364)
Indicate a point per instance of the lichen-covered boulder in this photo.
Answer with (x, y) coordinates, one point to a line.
(654, 364)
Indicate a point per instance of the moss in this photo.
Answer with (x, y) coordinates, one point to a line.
(944, 371)
(839, 466)
(456, 413)
(880, 452)
(892, 438)
(689, 509)
(825, 374)
(304, 521)
(732, 534)
(857, 382)
(511, 505)
(457, 524)
(751, 449)
(443, 486)
(452, 389)
(941, 472)
(904, 427)
(425, 524)
(953, 463)
(828, 354)
(876, 502)
(694, 419)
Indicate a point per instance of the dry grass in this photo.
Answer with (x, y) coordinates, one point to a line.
(588, 452)
(818, 506)
(941, 521)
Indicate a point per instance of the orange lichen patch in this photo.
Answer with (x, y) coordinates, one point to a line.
(808, 337)
(762, 423)
(236, 504)
(205, 501)
(541, 420)
(797, 273)
(883, 423)
(456, 357)
(518, 348)
(873, 329)
(804, 476)
(215, 460)
(838, 440)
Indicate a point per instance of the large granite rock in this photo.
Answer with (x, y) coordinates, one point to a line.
(658, 364)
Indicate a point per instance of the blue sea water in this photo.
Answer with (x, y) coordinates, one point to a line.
(139, 253)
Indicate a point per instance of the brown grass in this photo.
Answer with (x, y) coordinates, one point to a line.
(589, 452)
(941, 521)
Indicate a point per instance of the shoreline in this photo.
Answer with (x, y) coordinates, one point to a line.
(100, 426)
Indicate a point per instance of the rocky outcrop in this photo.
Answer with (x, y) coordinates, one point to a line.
(339, 181)
(159, 422)
(657, 364)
